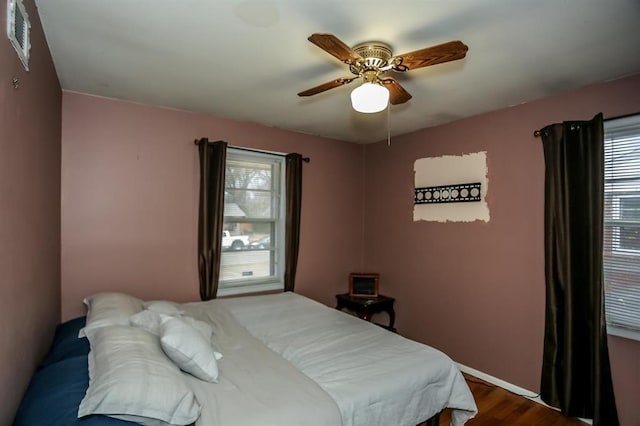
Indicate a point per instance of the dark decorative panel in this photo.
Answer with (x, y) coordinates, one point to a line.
(461, 193)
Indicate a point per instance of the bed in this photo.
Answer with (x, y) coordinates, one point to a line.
(279, 359)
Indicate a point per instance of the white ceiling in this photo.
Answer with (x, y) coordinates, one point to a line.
(247, 59)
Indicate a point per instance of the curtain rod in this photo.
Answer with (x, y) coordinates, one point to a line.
(536, 133)
(305, 159)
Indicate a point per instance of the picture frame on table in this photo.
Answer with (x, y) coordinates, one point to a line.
(364, 284)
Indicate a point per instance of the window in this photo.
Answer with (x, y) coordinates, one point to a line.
(622, 226)
(253, 236)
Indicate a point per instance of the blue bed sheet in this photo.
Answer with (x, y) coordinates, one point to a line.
(66, 343)
(60, 383)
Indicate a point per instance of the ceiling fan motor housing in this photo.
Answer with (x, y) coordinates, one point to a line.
(375, 54)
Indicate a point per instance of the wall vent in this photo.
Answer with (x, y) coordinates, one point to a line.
(18, 30)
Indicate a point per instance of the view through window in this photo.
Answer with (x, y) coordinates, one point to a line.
(622, 226)
(253, 236)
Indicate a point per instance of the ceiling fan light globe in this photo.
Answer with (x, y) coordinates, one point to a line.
(369, 98)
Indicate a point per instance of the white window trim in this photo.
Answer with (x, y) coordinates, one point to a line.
(623, 332)
(237, 288)
(275, 283)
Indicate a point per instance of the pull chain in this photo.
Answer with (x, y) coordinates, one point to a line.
(389, 124)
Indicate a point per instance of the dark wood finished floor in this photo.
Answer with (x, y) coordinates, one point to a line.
(497, 406)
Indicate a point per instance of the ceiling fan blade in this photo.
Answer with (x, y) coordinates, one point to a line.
(326, 86)
(334, 46)
(441, 53)
(397, 94)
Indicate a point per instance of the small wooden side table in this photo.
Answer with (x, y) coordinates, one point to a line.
(365, 307)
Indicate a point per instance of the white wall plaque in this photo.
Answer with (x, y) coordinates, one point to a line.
(451, 170)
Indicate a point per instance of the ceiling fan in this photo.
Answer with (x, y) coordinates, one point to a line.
(372, 59)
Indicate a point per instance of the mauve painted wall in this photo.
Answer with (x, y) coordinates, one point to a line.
(130, 180)
(476, 290)
(29, 212)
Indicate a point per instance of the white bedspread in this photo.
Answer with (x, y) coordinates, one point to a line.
(375, 377)
(255, 386)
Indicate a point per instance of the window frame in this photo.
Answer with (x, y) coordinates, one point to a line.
(616, 222)
(275, 281)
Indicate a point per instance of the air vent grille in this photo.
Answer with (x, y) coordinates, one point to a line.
(18, 27)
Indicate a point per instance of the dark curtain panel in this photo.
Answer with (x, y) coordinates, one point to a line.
(213, 157)
(576, 375)
(292, 223)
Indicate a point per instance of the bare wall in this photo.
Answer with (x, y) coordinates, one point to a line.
(476, 290)
(29, 212)
(130, 181)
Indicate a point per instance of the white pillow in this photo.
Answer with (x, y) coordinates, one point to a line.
(185, 346)
(105, 309)
(202, 327)
(148, 321)
(130, 377)
(163, 307)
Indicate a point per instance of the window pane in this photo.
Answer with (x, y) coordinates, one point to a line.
(249, 203)
(248, 254)
(630, 234)
(248, 174)
(251, 186)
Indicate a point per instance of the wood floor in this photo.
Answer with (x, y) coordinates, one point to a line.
(497, 406)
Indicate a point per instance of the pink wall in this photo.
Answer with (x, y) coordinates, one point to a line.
(29, 212)
(130, 198)
(476, 290)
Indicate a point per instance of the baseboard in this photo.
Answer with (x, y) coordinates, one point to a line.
(509, 387)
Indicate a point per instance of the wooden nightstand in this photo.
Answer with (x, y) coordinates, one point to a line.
(365, 307)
